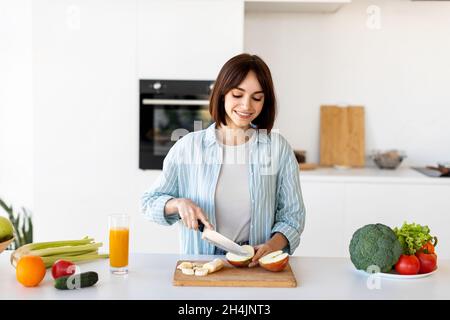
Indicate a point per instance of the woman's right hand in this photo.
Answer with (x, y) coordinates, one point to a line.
(190, 213)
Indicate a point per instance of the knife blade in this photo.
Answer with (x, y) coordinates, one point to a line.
(220, 240)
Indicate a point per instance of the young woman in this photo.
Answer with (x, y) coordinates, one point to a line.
(238, 176)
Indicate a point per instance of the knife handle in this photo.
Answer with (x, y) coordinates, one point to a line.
(201, 226)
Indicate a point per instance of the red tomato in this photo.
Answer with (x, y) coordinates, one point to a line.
(63, 268)
(407, 265)
(428, 262)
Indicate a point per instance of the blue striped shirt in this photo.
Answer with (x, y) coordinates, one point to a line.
(191, 169)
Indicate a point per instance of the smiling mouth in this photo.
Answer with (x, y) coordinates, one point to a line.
(244, 115)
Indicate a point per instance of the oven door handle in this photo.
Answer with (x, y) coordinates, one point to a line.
(175, 102)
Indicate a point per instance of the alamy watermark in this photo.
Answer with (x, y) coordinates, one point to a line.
(74, 281)
(373, 21)
(73, 17)
(374, 279)
(264, 148)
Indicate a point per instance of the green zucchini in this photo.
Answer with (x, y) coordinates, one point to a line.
(77, 281)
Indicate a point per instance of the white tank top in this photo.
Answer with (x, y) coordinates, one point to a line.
(232, 196)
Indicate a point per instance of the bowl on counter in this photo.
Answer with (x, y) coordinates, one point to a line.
(389, 159)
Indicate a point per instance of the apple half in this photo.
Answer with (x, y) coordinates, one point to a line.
(275, 261)
(241, 261)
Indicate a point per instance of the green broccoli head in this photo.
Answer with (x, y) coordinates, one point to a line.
(375, 245)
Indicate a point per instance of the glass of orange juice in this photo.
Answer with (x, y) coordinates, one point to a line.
(119, 232)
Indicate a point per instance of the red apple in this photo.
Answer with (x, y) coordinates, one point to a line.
(63, 268)
(275, 261)
(241, 261)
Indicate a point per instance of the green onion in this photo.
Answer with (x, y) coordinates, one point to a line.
(72, 250)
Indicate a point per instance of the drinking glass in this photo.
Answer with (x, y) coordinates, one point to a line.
(119, 226)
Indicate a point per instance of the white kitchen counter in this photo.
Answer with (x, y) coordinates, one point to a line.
(370, 175)
(151, 275)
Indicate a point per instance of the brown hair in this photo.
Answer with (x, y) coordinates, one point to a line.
(230, 76)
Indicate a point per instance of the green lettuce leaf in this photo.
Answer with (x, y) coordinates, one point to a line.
(412, 237)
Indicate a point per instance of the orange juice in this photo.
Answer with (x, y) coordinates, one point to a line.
(118, 247)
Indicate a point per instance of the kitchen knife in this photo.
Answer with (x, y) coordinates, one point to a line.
(221, 241)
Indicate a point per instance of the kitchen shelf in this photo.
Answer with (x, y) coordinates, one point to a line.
(297, 6)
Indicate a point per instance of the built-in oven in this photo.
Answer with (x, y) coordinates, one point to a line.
(169, 109)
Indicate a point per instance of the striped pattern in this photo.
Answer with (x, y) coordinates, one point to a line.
(191, 169)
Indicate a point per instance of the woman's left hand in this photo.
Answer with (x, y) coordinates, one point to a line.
(261, 251)
(277, 242)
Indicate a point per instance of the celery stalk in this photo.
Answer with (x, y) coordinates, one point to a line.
(74, 250)
(65, 249)
(52, 244)
(77, 253)
(48, 261)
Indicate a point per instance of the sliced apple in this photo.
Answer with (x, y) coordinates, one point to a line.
(185, 265)
(188, 271)
(275, 261)
(201, 272)
(197, 265)
(241, 261)
(214, 265)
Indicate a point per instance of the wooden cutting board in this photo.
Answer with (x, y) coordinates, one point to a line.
(230, 276)
(342, 136)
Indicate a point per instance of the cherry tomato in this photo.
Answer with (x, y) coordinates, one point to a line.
(407, 265)
(429, 247)
(428, 262)
(63, 268)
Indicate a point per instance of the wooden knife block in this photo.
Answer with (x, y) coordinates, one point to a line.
(342, 136)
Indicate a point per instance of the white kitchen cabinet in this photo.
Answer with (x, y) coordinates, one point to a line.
(338, 203)
(324, 220)
(189, 39)
(299, 6)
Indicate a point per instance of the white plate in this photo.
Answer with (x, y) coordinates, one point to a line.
(394, 275)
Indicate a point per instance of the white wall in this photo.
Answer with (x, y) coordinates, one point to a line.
(86, 123)
(16, 110)
(398, 72)
(86, 71)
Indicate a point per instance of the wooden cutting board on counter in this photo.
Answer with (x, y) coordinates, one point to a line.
(230, 276)
(342, 136)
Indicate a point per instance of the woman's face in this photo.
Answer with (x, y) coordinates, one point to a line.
(244, 103)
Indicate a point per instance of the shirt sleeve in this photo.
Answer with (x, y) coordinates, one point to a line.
(165, 188)
(290, 209)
